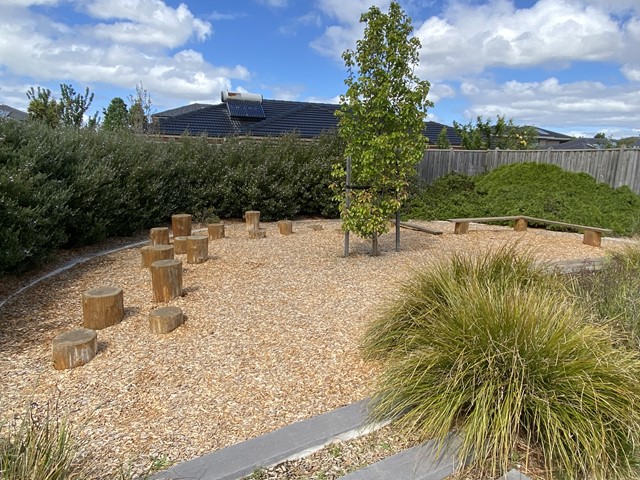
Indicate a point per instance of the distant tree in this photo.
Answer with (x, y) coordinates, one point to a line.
(73, 105)
(600, 135)
(503, 134)
(140, 111)
(381, 120)
(443, 141)
(43, 106)
(116, 115)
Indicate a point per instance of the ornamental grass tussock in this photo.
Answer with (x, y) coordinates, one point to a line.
(498, 351)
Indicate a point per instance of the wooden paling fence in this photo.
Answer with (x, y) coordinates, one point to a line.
(616, 167)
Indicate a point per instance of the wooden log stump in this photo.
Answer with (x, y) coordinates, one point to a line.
(257, 233)
(197, 249)
(165, 319)
(75, 348)
(521, 225)
(152, 253)
(252, 219)
(179, 245)
(166, 280)
(285, 227)
(102, 307)
(159, 236)
(216, 231)
(181, 225)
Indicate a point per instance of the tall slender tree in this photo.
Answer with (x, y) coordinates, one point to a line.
(381, 120)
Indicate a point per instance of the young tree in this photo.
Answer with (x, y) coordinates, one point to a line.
(140, 111)
(443, 141)
(504, 135)
(381, 120)
(73, 106)
(116, 115)
(43, 106)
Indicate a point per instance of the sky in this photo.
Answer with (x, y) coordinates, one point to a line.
(570, 66)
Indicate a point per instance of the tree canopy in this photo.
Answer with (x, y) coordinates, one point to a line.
(68, 110)
(381, 120)
(503, 134)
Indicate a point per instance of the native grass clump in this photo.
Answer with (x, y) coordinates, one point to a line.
(498, 351)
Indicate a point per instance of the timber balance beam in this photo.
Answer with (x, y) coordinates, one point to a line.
(592, 235)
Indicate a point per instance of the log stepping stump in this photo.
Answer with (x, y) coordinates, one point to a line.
(159, 236)
(165, 319)
(216, 231)
(197, 249)
(166, 280)
(252, 219)
(181, 225)
(258, 233)
(75, 348)
(285, 227)
(153, 253)
(102, 307)
(179, 245)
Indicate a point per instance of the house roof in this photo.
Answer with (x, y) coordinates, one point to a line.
(544, 134)
(585, 144)
(276, 117)
(9, 112)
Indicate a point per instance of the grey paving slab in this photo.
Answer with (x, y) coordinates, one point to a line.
(272, 448)
(514, 475)
(422, 462)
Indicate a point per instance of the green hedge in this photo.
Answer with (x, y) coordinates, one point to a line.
(69, 187)
(533, 189)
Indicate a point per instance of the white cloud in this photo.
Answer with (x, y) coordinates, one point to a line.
(121, 54)
(541, 103)
(470, 39)
(274, 3)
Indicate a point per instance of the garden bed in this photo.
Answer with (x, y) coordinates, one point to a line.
(271, 337)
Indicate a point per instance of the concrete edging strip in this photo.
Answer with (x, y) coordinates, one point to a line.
(292, 441)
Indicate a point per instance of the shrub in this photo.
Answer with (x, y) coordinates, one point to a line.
(38, 448)
(533, 189)
(480, 346)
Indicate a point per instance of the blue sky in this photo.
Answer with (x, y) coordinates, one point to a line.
(572, 66)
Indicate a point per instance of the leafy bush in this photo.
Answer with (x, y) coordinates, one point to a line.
(532, 189)
(70, 187)
(480, 346)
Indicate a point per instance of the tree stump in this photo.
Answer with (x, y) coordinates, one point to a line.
(102, 307)
(257, 233)
(75, 348)
(252, 219)
(181, 225)
(179, 245)
(521, 225)
(152, 253)
(159, 236)
(285, 227)
(165, 319)
(216, 231)
(197, 249)
(166, 280)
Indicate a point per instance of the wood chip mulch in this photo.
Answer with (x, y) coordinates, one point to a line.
(271, 337)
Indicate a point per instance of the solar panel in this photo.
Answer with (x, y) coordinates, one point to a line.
(244, 109)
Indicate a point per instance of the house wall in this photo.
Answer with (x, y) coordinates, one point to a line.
(616, 167)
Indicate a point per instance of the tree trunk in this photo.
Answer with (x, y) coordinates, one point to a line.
(197, 249)
(152, 253)
(285, 227)
(166, 280)
(75, 348)
(181, 225)
(159, 236)
(216, 231)
(102, 307)
(375, 251)
(180, 245)
(165, 319)
(252, 219)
